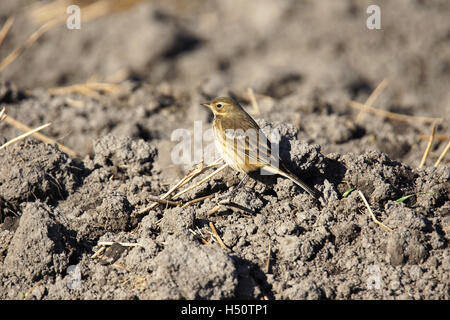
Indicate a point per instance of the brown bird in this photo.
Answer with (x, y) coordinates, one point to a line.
(243, 145)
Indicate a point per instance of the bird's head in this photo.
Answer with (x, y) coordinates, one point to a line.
(223, 106)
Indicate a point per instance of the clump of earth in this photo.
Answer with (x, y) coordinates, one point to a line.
(74, 226)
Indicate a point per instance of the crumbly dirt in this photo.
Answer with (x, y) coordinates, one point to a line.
(304, 60)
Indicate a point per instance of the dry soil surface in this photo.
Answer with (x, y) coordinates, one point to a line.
(305, 60)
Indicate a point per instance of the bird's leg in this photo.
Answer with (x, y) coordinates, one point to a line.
(237, 187)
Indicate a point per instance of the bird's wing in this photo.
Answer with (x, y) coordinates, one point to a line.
(251, 146)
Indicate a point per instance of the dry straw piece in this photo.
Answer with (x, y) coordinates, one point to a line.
(198, 169)
(2, 114)
(29, 42)
(428, 148)
(201, 181)
(393, 115)
(368, 108)
(52, 14)
(11, 121)
(373, 96)
(255, 105)
(437, 137)
(123, 244)
(197, 200)
(163, 201)
(441, 157)
(90, 89)
(371, 212)
(6, 28)
(214, 210)
(219, 240)
(23, 136)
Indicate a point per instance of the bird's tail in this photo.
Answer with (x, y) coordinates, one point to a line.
(300, 183)
(287, 174)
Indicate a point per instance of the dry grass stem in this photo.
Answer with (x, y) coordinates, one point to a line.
(200, 235)
(39, 136)
(197, 200)
(373, 96)
(164, 196)
(123, 244)
(428, 148)
(392, 115)
(201, 181)
(198, 169)
(98, 252)
(90, 89)
(371, 213)
(2, 114)
(31, 289)
(236, 207)
(163, 201)
(219, 240)
(214, 210)
(255, 105)
(29, 42)
(441, 157)
(90, 9)
(375, 93)
(6, 28)
(42, 13)
(23, 136)
(437, 137)
(105, 7)
(54, 13)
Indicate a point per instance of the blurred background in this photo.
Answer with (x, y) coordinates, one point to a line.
(140, 68)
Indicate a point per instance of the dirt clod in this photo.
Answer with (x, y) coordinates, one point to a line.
(156, 62)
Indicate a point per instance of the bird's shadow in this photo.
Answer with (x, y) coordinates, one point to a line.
(333, 170)
(284, 148)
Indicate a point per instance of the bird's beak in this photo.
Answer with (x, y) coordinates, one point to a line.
(206, 105)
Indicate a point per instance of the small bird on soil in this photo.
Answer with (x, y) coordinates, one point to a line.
(243, 145)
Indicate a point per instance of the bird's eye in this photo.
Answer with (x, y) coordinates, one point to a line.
(218, 106)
